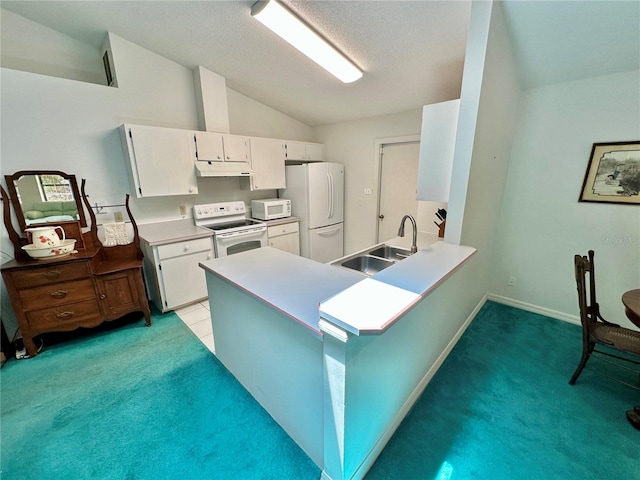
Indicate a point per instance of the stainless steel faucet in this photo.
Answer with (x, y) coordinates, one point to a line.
(414, 246)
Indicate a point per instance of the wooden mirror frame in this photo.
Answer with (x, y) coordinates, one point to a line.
(15, 200)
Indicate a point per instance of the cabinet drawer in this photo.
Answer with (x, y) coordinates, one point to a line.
(183, 248)
(73, 313)
(57, 294)
(50, 274)
(282, 229)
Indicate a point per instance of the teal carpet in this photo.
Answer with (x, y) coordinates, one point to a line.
(138, 403)
(153, 403)
(501, 407)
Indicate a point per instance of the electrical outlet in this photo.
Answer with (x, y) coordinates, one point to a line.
(117, 216)
(368, 191)
(183, 210)
(512, 281)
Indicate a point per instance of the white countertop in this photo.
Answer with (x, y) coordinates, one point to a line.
(376, 303)
(306, 290)
(172, 231)
(291, 284)
(279, 221)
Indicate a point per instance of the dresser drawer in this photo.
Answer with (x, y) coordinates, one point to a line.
(57, 294)
(170, 250)
(51, 319)
(282, 229)
(49, 274)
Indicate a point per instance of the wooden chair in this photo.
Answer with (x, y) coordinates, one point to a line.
(595, 329)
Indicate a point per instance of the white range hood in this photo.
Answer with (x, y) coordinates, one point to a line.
(222, 169)
(218, 153)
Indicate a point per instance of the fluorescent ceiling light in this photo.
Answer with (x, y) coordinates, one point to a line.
(297, 33)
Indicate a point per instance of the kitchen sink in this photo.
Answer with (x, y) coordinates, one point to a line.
(390, 253)
(367, 264)
(372, 261)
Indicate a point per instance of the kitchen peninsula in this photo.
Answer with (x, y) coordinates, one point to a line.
(337, 358)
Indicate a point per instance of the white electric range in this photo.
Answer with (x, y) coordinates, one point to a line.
(232, 231)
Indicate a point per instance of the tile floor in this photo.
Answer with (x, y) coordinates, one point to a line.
(196, 317)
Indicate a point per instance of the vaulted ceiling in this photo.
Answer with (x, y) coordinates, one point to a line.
(412, 52)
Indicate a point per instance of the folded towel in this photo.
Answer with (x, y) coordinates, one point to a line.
(115, 234)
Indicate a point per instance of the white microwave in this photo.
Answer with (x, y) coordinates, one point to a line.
(270, 208)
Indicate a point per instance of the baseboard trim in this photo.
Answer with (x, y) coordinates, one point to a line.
(413, 397)
(547, 312)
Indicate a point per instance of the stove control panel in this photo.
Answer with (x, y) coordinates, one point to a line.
(216, 210)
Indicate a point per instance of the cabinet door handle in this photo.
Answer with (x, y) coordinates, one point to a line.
(52, 273)
(66, 314)
(103, 296)
(59, 294)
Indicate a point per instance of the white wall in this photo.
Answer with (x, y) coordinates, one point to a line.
(249, 117)
(542, 225)
(56, 123)
(488, 107)
(353, 144)
(52, 53)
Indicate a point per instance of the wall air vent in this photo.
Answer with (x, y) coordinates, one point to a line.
(107, 68)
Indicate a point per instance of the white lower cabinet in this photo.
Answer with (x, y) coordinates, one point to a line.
(285, 236)
(173, 274)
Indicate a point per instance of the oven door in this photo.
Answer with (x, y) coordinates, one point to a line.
(236, 242)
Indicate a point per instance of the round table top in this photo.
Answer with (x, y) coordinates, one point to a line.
(631, 301)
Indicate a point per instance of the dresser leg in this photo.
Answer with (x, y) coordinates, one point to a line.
(32, 350)
(147, 317)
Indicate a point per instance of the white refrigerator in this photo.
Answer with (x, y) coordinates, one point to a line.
(316, 191)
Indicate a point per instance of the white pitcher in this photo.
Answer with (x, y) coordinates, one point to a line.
(45, 237)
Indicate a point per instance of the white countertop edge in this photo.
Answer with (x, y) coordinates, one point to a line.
(340, 308)
(172, 231)
(377, 305)
(264, 300)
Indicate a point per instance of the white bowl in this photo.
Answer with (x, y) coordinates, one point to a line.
(65, 248)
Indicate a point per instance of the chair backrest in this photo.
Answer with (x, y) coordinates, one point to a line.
(589, 309)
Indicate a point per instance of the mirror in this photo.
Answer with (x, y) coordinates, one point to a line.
(40, 197)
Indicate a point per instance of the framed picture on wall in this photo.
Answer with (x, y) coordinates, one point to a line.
(613, 174)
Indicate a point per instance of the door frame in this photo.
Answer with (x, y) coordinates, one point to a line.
(379, 145)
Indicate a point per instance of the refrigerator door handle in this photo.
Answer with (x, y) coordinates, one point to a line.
(331, 198)
(328, 195)
(326, 233)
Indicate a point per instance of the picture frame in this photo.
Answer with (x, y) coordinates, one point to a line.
(613, 174)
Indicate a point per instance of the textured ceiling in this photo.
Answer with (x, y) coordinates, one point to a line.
(412, 52)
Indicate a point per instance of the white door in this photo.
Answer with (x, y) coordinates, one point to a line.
(398, 183)
(326, 243)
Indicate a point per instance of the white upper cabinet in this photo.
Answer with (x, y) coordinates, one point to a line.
(159, 159)
(306, 152)
(267, 161)
(219, 147)
(437, 144)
